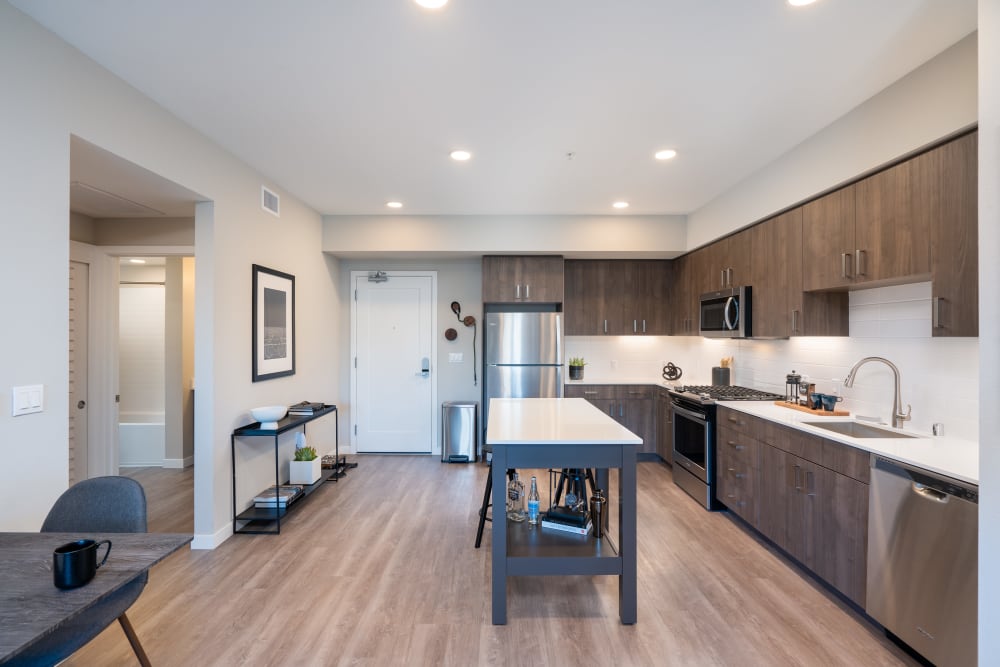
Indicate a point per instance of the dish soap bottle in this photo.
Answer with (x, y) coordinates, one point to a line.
(533, 502)
(515, 499)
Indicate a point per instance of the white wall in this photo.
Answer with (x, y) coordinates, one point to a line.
(934, 100)
(574, 236)
(53, 92)
(989, 326)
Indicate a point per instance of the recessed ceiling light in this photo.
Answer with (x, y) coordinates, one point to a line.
(432, 4)
(800, 3)
(394, 204)
(137, 261)
(460, 156)
(620, 204)
(665, 154)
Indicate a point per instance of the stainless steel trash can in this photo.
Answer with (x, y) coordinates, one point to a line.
(459, 431)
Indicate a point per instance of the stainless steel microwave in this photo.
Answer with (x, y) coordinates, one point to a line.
(726, 313)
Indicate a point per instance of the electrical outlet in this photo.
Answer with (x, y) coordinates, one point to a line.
(455, 357)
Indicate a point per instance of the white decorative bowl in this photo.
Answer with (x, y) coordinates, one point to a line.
(269, 415)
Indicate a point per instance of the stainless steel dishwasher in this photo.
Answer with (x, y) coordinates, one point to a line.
(922, 560)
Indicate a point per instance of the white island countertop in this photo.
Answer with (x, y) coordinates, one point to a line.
(529, 421)
(945, 455)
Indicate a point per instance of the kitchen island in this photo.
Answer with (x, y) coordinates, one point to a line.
(561, 433)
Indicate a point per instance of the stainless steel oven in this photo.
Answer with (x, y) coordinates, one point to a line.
(694, 450)
(693, 455)
(726, 313)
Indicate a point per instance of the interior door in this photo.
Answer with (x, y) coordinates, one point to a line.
(394, 373)
(79, 303)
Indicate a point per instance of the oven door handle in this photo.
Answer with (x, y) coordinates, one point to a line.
(731, 324)
(694, 416)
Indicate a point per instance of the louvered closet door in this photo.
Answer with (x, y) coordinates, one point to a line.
(79, 286)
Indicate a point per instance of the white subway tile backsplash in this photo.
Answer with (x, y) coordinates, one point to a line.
(939, 377)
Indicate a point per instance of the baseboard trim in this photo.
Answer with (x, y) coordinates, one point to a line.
(185, 462)
(211, 541)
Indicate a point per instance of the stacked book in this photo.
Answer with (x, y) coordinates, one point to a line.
(305, 409)
(568, 521)
(280, 497)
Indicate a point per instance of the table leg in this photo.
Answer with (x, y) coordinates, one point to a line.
(499, 528)
(627, 604)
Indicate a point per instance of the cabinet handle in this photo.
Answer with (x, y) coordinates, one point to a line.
(860, 266)
(611, 410)
(605, 326)
(796, 470)
(795, 320)
(527, 291)
(621, 409)
(729, 277)
(635, 326)
(810, 483)
(722, 278)
(843, 265)
(936, 312)
(517, 292)
(644, 326)
(590, 393)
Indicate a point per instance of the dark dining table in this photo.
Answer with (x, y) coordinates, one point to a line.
(30, 604)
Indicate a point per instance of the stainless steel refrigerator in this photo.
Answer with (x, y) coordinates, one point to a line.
(523, 357)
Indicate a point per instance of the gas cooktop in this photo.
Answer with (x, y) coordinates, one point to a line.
(717, 392)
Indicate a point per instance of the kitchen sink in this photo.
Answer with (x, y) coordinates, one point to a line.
(858, 430)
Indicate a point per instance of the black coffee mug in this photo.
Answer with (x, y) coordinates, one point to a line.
(75, 563)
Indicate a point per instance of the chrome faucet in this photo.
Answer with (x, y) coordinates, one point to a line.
(898, 417)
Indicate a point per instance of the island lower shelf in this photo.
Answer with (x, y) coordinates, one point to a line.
(533, 550)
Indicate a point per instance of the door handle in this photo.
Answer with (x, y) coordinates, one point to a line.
(425, 366)
(81, 404)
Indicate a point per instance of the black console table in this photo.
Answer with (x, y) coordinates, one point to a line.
(267, 520)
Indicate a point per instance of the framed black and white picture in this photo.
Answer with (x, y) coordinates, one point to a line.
(273, 324)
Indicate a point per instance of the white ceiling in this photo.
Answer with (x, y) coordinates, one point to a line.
(350, 103)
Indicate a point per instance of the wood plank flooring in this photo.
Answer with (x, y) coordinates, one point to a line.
(380, 569)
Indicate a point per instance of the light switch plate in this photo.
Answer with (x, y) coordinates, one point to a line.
(455, 357)
(27, 399)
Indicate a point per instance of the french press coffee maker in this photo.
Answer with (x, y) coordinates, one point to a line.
(792, 382)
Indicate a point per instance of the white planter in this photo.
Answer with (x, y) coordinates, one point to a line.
(305, 472)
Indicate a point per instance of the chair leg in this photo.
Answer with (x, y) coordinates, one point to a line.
(485, 506)
(133, 639)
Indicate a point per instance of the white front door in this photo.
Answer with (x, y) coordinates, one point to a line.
(393, 376)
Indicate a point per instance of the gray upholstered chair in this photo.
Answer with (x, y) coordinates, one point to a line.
(98, 505)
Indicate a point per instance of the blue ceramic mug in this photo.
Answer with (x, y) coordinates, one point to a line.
(830, 401)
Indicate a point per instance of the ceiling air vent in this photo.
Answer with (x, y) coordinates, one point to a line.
(269, 201)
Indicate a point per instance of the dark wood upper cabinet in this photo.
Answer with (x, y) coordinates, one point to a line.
(517, 279)
(777, 276)
(954, 252)
(828, 241)
(617, 297)
(892, 226)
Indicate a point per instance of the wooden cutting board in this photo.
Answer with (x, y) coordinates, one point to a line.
(818, 413)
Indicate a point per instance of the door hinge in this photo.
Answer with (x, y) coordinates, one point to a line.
(355, 429)
(355, 295)
(355, 362)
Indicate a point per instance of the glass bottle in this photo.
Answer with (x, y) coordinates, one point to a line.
(515, 499)
(533, 502)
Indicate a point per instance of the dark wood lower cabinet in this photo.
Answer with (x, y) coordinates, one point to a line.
(632, 406)
(812, 503)
(818, 516)
(664, 426)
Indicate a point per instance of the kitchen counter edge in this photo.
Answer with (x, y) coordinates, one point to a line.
(944, 455)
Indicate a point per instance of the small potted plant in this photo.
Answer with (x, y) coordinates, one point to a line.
(306, 467)
(576, 365)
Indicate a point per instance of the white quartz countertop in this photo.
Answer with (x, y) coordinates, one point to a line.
(941, 454)
(531, 421)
